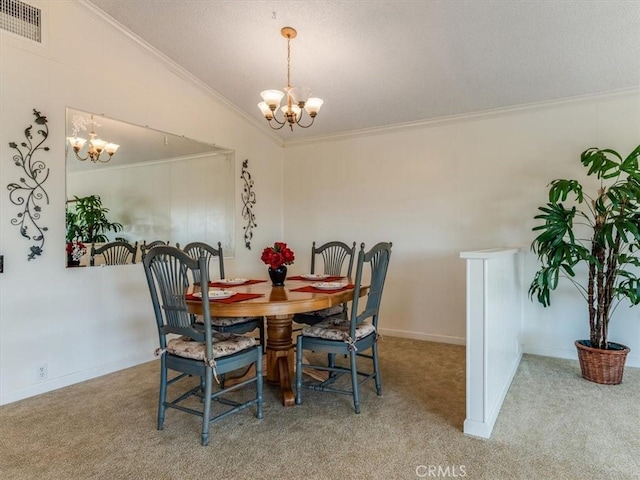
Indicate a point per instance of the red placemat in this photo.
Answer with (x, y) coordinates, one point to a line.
(311, 289)
(328, 279)
(238, 297)
(225, 285)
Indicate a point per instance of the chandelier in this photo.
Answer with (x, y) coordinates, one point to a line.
(297, 97)
(96, 146)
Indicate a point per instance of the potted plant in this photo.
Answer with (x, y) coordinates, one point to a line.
(87, 220)
(599, 233)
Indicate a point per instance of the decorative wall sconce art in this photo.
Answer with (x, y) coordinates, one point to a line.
(249, 200)
(29, 192)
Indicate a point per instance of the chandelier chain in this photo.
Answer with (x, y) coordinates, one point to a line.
(288, 61)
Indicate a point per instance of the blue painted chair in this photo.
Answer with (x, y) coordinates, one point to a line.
(198, 350)
(352, 336)
(224, 324)
(114, 253)
(144, 248)
(334, 257)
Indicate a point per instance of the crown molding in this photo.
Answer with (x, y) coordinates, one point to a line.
(465, 117)
(172, 66)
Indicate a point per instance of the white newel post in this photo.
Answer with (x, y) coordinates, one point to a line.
(495, 295)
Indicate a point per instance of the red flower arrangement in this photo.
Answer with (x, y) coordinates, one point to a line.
(278, 255)
(76, 250)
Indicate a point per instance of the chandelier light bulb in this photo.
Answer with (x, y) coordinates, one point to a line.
(312, 107)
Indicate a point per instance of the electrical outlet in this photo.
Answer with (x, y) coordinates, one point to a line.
(41, 372)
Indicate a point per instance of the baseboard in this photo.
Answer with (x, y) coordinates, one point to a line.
(71, 379)
(422, 336)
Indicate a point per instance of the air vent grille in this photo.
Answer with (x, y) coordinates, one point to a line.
(22, 19)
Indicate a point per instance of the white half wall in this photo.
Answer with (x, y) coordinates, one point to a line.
(495, 296)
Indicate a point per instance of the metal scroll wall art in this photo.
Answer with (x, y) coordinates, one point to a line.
(249, 200)
(29, 192)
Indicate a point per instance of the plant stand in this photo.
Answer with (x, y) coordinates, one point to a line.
(602, 366)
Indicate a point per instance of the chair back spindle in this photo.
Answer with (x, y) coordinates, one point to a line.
(114, 253)
(334, 254)
(201, 249)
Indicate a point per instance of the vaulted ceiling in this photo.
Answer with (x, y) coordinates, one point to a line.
(379, 63)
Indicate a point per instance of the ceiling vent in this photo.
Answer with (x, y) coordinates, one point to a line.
(21, 19)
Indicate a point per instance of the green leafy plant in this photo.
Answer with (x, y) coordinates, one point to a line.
(601, 232)
(87, 220)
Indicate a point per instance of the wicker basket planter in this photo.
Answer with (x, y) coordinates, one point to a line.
(602, 366)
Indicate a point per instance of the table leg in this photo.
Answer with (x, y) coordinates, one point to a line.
(280, 355)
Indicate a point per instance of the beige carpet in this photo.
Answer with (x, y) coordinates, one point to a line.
(553, 425)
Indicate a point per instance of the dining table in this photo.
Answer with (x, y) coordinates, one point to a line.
(258, 298)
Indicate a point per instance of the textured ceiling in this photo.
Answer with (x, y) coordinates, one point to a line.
(378, 63)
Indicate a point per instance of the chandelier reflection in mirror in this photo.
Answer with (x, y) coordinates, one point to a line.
(297, 97)
(97, 146)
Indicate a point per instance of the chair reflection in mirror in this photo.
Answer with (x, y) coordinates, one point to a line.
(351, 337)
(118, 252)
(144, 248)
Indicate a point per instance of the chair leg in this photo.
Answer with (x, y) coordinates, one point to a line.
(261, 333)
(299, 370)
(206, 413)
(162, 398)
(354, 381)
(376, 368)
(259, 413)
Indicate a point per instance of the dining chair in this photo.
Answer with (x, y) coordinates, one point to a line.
(195, 349)
(352, 336)
(118, 252)
(146, 246)
(334, 256)
(223, 324)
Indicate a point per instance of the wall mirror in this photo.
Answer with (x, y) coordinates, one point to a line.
(157, 185)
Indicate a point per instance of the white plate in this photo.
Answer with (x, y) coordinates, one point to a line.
(328, 285)
(314, 276)
(233, 281)
(216, 294)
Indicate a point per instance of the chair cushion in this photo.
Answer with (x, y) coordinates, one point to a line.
(224, 344)
(227, 321)
(336, 328)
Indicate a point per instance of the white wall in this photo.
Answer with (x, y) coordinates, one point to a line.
(85, 322)
(434, 190)
(463, 184)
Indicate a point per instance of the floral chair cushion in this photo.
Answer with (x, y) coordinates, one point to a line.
(336, 328)
(224, 344)
(226, 321)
